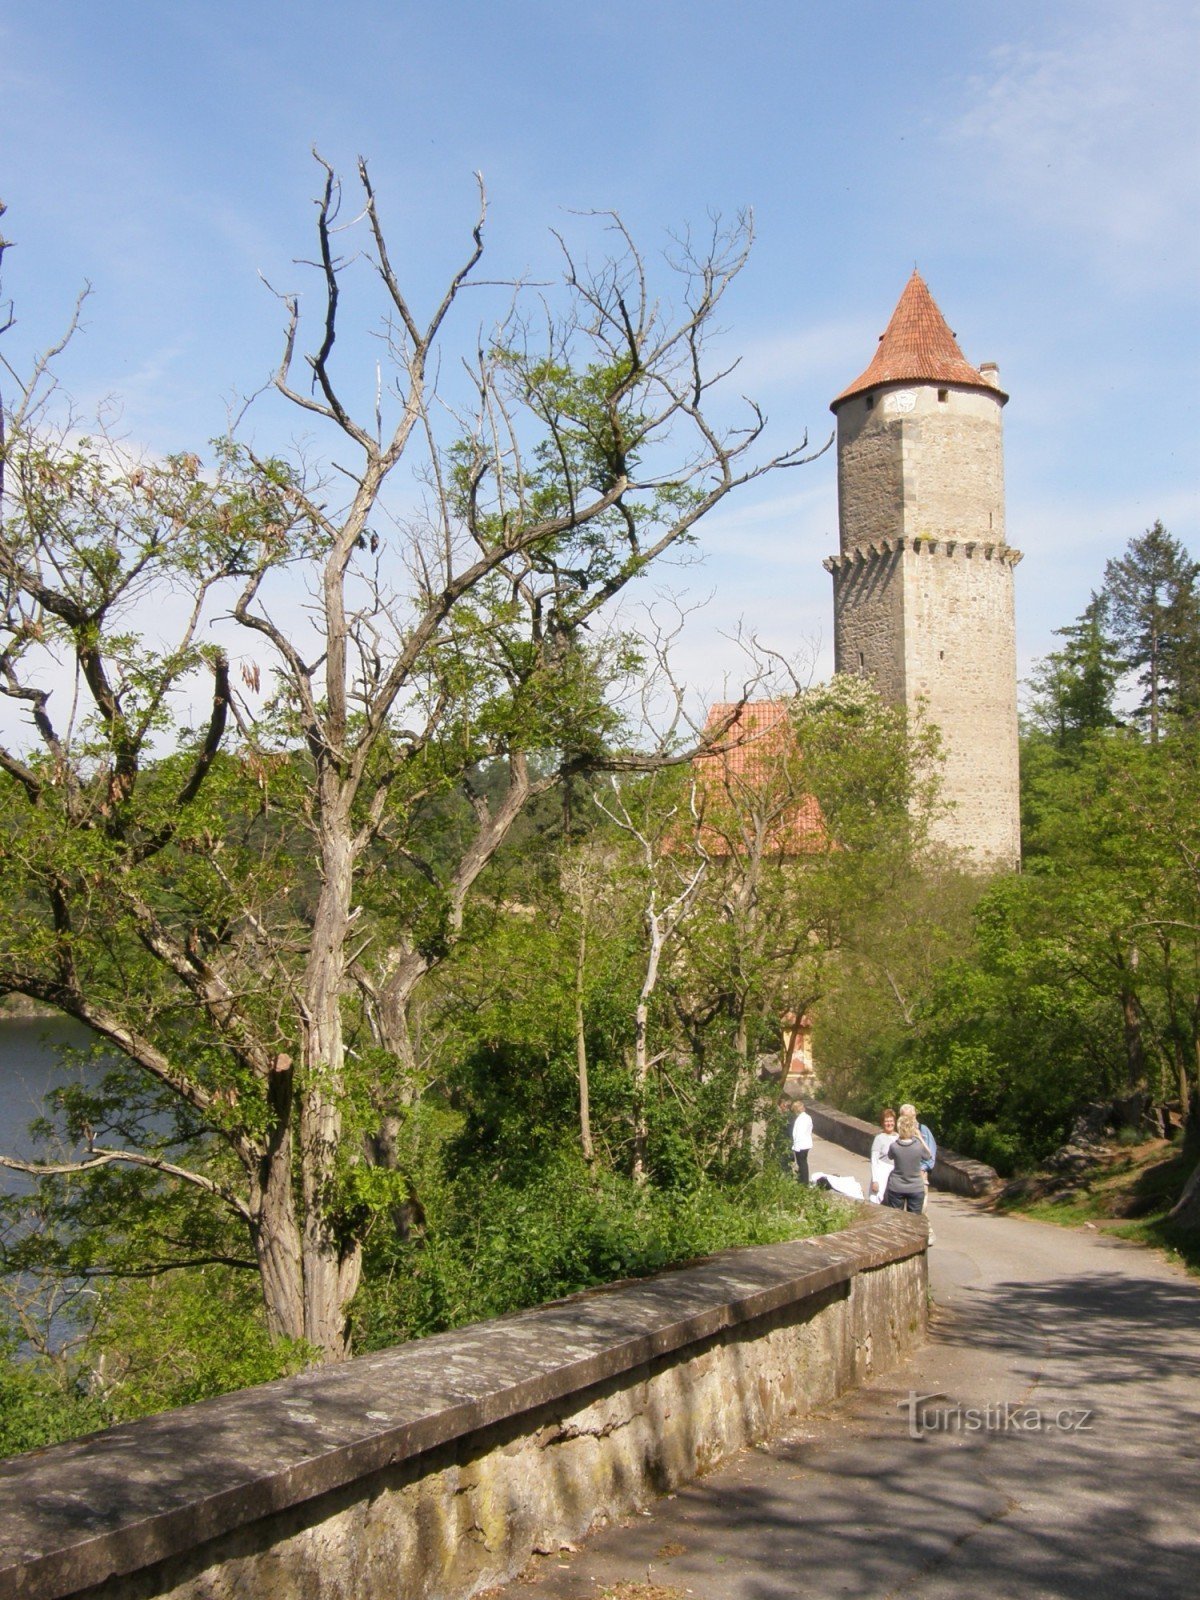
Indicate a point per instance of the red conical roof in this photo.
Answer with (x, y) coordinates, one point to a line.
(918, 347)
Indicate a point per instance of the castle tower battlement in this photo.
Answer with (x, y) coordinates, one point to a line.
(923, 584)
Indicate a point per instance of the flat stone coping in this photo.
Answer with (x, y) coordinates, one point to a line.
(113, 1502)
(958, 1174)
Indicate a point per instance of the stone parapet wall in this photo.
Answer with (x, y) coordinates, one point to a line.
(948, 545)
(435, 1469)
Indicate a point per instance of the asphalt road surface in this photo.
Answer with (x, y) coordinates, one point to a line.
(1056, 1451)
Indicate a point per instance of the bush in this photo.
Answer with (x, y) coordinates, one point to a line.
(43, 1400)
(186, 1336)
(494, 1248)
(155, 1343)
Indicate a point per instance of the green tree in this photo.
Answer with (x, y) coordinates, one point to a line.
(815, 816)
(1154, 607)
(1082, 977)
(1073, 688)
(246, 912)
(1009, 1037)
(1134, 847)
(893, 953)
(703, 903)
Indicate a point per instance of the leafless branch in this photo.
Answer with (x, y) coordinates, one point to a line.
(104, 1158)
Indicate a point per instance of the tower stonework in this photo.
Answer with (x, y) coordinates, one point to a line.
(923, 584)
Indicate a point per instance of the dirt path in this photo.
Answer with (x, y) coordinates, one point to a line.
(1060, 1455)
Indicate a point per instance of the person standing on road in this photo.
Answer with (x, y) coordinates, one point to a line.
(906, 1186)
(881, 1160)
(926, 1138)
(802, 1138)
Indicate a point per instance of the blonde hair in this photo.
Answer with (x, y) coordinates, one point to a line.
(906, 1127)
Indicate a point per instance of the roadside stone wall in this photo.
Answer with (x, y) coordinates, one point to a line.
(435, 1469)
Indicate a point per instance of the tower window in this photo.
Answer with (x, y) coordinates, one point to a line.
(943, 395)
(870, 402)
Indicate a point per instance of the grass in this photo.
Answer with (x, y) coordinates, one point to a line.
(1127, 1193)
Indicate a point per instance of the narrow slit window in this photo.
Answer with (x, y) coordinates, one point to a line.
(943, 395)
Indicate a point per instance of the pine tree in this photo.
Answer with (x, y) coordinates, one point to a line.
(1154, 608)
(1074, 687)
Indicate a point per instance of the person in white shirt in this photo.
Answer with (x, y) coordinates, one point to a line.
(802, 1139)
(881, 1160)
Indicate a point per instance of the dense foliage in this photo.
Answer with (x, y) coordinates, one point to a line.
(277, 714)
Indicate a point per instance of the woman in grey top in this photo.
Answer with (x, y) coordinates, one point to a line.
(906, 1186)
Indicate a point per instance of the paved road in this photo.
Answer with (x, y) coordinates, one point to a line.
(1062, 1459)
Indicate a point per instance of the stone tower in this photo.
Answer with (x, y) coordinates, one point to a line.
(923, 586)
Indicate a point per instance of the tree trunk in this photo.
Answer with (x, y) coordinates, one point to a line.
(1186, 1211)
(641, 1050)
(275, 1232)
(331, 1265)
(741, 1039)
(1135, 1053)
(1183, 1084)
(406, 969)
(581, 1060)
(277, 1249)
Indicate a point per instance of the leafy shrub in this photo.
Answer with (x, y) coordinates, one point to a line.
(155, 1343)
(186, 1336)
(496, 1248)
(43, 1401)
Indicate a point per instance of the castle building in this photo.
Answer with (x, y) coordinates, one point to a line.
(923, 583)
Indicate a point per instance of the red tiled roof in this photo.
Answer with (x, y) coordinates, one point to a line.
(756, 730)
(757, 739)
(917, 346)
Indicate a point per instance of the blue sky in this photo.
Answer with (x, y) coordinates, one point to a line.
(1038, 162)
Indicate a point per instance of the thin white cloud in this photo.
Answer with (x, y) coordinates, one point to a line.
(1097, 137)
(810, 354)
(803, 518)
(1083, 533)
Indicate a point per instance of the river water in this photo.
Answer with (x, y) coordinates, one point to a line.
(29, 1069)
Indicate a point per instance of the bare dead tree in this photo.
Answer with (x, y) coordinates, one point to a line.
(672, 863)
